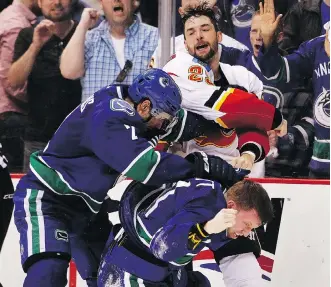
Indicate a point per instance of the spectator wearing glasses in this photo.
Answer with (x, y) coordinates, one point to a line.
(36, 63)
(117, 51)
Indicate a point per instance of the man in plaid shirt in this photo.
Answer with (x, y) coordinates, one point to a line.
(117, 51)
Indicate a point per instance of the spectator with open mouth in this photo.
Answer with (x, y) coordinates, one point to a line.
(117, 51)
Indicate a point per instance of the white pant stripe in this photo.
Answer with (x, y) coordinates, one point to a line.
(27, 219)
(128, 283)
(127, 279)
(140, 282)
(41, 221)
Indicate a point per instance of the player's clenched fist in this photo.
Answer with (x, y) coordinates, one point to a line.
(43, 32)
(244, 161)
(89, 18)
(226, 218)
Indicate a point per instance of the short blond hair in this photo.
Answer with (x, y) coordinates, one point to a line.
(250, 195)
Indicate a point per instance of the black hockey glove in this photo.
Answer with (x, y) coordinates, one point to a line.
(215, 168)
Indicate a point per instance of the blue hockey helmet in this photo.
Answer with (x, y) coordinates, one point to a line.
(158, 87)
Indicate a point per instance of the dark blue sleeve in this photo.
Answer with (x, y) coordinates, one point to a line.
(293, 67)
(180, 234)
(190, 126)
(119, 146)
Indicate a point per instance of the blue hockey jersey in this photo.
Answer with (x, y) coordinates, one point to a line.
(309, 61)
(167, 232)
(103, 140)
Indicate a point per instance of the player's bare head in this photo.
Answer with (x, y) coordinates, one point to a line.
(192, 3)
(56, 10)
(201, 32)
(253, 204)
(119, 12)
(255, 35)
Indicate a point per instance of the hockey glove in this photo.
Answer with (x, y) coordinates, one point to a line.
(215, 168)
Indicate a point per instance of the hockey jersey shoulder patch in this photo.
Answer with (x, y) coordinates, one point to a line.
(119, 105)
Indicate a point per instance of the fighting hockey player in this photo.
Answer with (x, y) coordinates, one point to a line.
(207, 71)
(107, 138)
(155, 242)
(311, 60)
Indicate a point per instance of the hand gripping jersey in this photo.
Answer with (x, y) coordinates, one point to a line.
(104, 140)
(310, 61)
(226, 106)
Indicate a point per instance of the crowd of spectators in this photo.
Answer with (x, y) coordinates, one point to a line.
(54, 54)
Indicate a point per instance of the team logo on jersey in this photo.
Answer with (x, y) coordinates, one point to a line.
(241, 14)
(273, 96)
(322, 109)
(122, 106)
(164, 82)
(61, 235)
(223, 139)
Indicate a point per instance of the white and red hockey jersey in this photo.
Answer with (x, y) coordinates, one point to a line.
(228, 107)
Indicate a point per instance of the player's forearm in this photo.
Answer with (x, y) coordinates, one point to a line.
(254, 142)
(244, 110)
(72, 58)
(271, 63)
(191, 126)
(20, 70)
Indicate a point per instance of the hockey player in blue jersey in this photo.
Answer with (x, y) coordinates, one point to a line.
(107, 138)
(155, 242)
(311, 60)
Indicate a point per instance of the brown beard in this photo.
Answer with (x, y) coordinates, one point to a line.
(206, 58)
(212, 52)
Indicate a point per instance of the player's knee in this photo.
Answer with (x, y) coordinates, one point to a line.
(50, 272)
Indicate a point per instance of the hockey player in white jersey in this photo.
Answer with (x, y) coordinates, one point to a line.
(198, 71)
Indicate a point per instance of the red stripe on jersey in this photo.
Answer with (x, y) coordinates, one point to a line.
(244, 109)
(172, 74)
